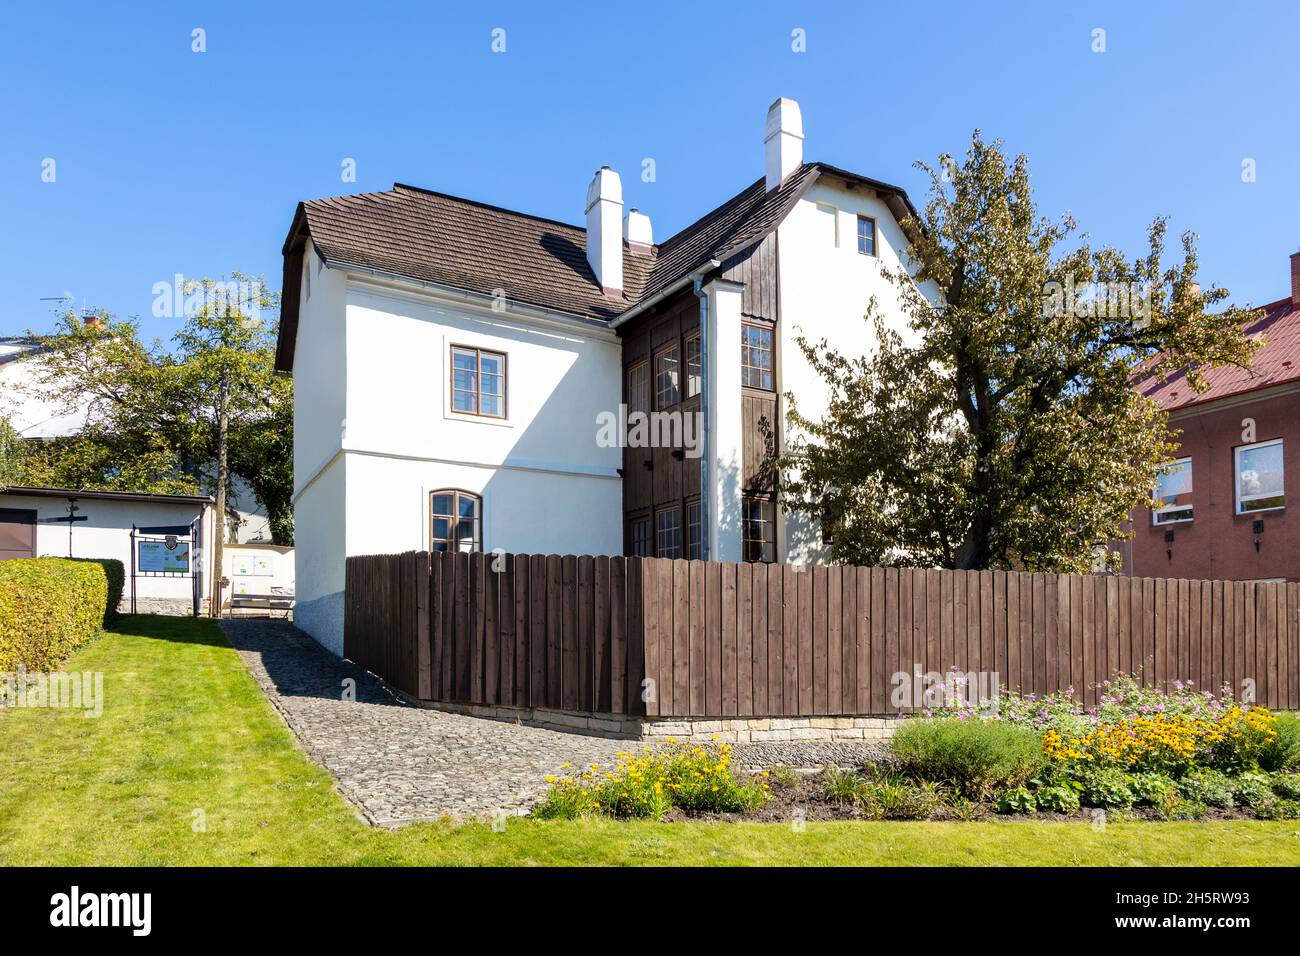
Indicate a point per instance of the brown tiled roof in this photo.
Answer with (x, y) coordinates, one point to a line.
(416, 233)
(1277, 363)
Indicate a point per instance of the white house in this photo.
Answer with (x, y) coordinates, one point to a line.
(457, 367)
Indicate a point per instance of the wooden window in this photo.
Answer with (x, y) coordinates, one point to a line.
(1172, 501)
(693, 365)
(667, 392)
(638, 387)
(759, 520)
(694, 532)
(638, 538)
(478, 382)
(455, 521)
(866, 235)
(756, 356)
(668, 533)
(1259, 477)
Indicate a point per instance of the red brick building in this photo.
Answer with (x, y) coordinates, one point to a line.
(1223, 513)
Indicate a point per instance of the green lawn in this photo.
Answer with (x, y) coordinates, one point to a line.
(185, 728)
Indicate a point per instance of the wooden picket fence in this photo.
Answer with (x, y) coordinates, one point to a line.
(659, 637)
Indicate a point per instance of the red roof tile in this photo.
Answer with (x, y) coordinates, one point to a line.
(1276, 363)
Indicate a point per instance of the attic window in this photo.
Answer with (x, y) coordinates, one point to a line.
(866, 235)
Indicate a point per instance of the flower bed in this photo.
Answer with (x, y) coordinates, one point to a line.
(1140, 752)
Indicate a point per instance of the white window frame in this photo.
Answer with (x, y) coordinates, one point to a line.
(830, 209)
(1236, 478)
(1158, 511)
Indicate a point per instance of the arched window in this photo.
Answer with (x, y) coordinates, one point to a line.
(455, 521)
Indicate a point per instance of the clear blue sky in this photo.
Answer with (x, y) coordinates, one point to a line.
(173, 161)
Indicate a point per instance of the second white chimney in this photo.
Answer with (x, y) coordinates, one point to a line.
(782, 141)
(637, 232)
(605, 230)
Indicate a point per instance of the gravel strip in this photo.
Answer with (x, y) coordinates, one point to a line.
(398, 763)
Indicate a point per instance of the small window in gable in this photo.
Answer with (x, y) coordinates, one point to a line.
(866, 235)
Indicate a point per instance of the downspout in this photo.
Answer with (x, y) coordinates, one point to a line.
(706, 539)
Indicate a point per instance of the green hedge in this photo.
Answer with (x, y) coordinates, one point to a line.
(48, 608)
(116, 573)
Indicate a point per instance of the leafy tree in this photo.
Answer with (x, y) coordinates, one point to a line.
(187, 419)
(1003, 430)
(12, 455)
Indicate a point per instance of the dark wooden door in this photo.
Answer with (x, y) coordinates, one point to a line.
(17, 533)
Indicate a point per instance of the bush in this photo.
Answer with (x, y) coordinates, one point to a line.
(1252, 790)
(1209, 787)
(115, 572)
(1019, 800)
(1108, 788)
(1287, 785)
(973, 756)
(48, 608)
(1282, 753)
(1152, 788)
(840, 786)
(692, 777)
(1060, 799)
(900, 799)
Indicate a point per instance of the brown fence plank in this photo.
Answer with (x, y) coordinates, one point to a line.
(698, 638)
(850, 640)
(803, 622)
(680, 603)
(775, 641)
(600, 662)
(729, 640)
(760, 653)
(832, 576)
(744, 639)
(618, 650)
(637, 693)
(713, 638)
(789, 640)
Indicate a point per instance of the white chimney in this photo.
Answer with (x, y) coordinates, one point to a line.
(604, 230)
(783, 141)
(637, 232)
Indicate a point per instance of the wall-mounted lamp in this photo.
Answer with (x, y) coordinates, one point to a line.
(1257, 526)
(1169, 543)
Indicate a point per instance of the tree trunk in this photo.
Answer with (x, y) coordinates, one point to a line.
(219, 520)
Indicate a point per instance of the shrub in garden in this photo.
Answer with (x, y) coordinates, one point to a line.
(1210, 787)
(1106, 787)
(115, 575)
(1018, 800)
(840, 786)
(1252, 790)
(973, 756)
(1152, 788)
(693, 777)
(1279, 810)
(48, 608)
(1282, 753)
(1058, 798)
(896, 798)
(1287, 786)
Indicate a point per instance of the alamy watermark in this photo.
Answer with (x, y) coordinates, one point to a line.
(954, 689)
(1106, 300)
(82, 691)
(672, 429)
(183, 298)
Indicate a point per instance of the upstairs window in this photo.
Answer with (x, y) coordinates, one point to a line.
(478, 382)
(638, 387)
(1172, 501)
(1259, 477)
(455, 521)
(756, 357)
(668, 533)
(667, 392)
(693, 365)
(866, 235)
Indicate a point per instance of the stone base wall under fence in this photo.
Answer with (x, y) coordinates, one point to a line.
(176, 607)
(731, 730)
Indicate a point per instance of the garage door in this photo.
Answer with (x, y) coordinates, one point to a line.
(17, 533)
